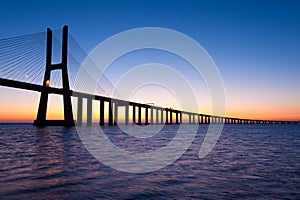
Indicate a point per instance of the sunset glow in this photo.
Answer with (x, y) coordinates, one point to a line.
(257, 59)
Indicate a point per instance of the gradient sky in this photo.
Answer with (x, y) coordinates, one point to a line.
(255, 45)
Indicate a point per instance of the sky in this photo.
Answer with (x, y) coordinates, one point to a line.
(254, 44)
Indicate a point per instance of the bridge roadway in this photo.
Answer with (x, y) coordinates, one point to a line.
(202, 118)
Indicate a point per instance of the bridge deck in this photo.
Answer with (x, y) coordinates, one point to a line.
(59, 91)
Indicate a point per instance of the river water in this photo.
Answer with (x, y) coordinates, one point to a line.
(248, 162)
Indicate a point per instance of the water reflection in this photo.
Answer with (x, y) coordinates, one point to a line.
(249, 161)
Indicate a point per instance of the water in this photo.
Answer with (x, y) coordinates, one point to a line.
(248, 162)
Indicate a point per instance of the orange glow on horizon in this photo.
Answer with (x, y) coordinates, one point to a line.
(21, 106)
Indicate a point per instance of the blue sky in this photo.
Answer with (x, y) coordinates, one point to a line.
(255, 44)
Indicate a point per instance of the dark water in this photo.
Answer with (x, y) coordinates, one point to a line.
(248, 162)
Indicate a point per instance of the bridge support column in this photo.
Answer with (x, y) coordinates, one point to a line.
(146, 116)
(116, 106)
(180, 117)
(101, 113)
(157, 116)
(79, 111)
(110, 113)
(162, 116)
(89, 112)
(133, 114)
(151, 115)
(42, 110)
(167, 117)
(171, 117)
(140, 115)
(126, 114)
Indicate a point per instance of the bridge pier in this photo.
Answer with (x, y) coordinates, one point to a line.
(101, 120)
(177, 121)
(151, 115)
(133, 114)
(167, 116)
(171, 117)
(157, 117)
(110, 113)
(89, 112)
(126, 114)
(116, 113)
(42, 110)
(139, 115)
(146, 116)
(162, 121)
(79, 111)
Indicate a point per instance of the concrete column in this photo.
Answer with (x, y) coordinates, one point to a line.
(193, 118)
(110, 113)
(140, 116)
(79, 111)
(133, 114)
(146, 116)
(167, 117)
(116, 114)
(126, 114)
(161, 116)
(171, 117)
(151, 115)
(190, 120)
(180, 117)
(101, 113)
(156, 116)
(89, 112)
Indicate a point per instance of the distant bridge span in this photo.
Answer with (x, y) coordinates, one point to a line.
(202, 118)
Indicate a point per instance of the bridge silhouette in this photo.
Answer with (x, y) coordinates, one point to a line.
(14, 53)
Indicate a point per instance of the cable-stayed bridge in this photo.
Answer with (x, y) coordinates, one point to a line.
(26, 64)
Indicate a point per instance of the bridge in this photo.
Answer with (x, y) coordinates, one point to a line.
(19, 55)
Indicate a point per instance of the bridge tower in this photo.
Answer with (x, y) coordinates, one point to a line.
(66, 92)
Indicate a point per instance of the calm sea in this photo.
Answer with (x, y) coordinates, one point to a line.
(248, 162)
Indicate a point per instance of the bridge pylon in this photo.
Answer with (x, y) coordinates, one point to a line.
(66, 92)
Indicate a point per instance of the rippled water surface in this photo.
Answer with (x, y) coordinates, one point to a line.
(248, 162)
